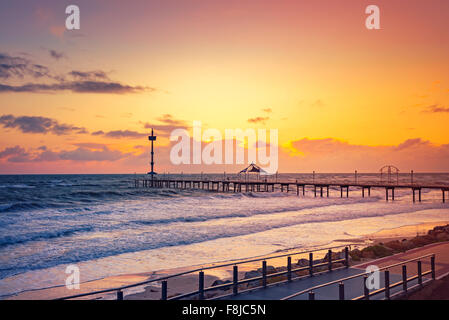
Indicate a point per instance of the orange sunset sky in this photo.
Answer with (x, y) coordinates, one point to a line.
(341, 96)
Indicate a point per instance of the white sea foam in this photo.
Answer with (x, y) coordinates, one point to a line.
(115, 230)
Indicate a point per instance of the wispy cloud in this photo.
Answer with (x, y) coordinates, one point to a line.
(77, 81)
(258, 120)
(37, 124)
(89, 75)
(436, 108)
(124, 134)
(56, 54)
(340, 156)
(76, 86)
(20, 67)
(85, 153)
(167, 123)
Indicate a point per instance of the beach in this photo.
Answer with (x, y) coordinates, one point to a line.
(118, 234)
(189, 282)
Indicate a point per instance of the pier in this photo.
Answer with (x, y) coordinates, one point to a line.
(320, 189)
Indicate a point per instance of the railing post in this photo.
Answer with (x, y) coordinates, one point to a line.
(164, 290)
(329, 262)
(201, 285)
(419, 272)
(235, 287)
(432, 266)
(289, 269)
(347, 257)
(119, 295)
(387, 284)
(365, 287)
(311, 264)
(341, 290)
(404, 278)
(264, 274)
(311, 295)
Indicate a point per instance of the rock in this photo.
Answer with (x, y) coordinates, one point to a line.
(342, 254)
(407, 245)
(335, 256)
(252, 274)
(442, 236)
(220, 282)
(376, 251)
(355, 254)
(395, 245)
(368, 254)
(280, 269)
(337, 265)
(303, 262)
(270, 269)
(420, 241)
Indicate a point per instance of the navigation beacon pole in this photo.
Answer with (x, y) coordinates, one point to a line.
(152, 138)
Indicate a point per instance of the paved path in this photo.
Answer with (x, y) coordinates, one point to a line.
(354, 287)
(440, 249)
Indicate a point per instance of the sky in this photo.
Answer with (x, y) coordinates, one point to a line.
(341, 96)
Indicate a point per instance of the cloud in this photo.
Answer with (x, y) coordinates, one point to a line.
(77, 87)
(334, 155)
(258, 120)
(12, 151)
(81, 81)
(168, 119)
(168, 124)
(86, 153)
(19, 67)
(124, 134)
(90, 145)
(411, 143)
(36, 124)
(89, 75)
(56, 55)
(267, 110)
(436, 108)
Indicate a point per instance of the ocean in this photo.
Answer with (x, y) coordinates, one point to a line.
(108, 227)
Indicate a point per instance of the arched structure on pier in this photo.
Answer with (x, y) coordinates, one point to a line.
(388, 172)
(251, 169)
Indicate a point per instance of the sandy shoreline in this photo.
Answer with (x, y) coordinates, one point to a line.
(189, 282)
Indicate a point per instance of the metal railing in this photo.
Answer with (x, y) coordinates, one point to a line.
(387, 285)
(289, 273)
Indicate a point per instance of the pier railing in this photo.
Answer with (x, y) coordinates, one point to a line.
(289, 274)
(387, 286)
(263, 185)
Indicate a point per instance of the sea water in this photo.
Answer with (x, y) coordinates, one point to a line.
(107, 227)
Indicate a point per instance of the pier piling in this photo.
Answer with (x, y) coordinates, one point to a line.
(270, 186)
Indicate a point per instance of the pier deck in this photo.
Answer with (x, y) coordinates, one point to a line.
(318, 188)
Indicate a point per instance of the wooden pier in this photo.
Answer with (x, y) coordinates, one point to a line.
(286, 186)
